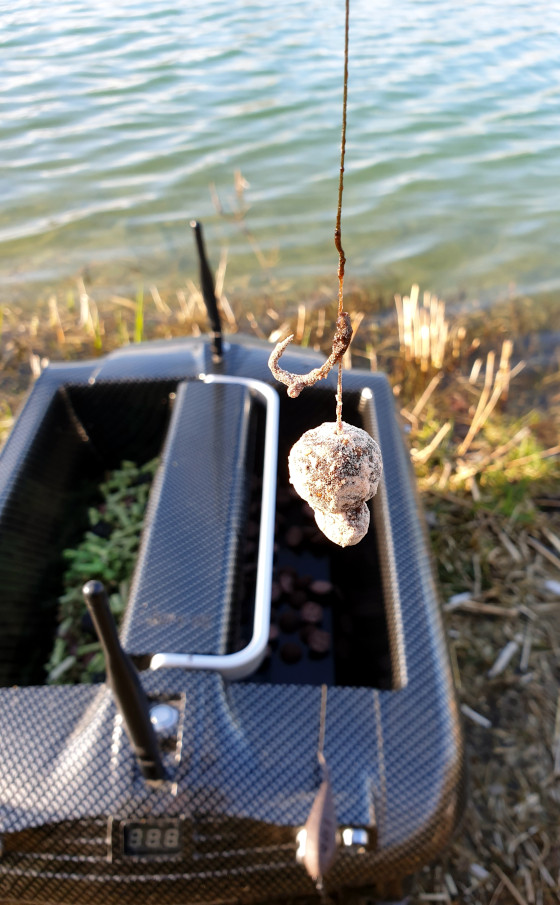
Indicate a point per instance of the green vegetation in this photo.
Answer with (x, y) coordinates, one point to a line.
(107, 552)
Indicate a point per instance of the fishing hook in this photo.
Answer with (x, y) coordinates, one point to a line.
(297, 382)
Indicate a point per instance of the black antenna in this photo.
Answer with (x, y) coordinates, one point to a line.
(208, 291)
(129, 695)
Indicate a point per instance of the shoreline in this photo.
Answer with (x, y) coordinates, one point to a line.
(248, 272)
(79, 320)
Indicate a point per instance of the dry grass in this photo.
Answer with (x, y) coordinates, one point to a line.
(488, 473)
(486, 459)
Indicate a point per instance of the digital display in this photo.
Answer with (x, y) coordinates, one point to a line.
(152, 837)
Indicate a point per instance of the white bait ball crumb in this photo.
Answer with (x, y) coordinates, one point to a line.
(336, 472)
(344, 528)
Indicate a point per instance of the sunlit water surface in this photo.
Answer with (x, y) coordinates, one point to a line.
(117, 118)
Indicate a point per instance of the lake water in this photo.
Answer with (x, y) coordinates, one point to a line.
(117, 117)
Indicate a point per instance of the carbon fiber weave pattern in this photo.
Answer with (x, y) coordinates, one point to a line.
(197, 513)
(242, 765)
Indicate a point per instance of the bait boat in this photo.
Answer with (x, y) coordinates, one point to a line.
(248, 642)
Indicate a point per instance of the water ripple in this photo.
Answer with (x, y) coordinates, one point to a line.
(115, 118)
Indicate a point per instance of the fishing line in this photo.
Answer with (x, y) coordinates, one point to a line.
(338, 227)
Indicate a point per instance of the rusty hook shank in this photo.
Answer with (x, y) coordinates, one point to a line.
(297, 382)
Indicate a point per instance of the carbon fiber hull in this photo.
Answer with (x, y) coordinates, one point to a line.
(241, 763)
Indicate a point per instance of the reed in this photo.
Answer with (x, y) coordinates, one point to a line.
(139, 317)
(423, 329)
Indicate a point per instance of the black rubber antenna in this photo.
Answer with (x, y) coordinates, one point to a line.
(208, 291)
(129, 695)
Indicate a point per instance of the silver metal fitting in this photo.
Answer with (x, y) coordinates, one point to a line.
(301, 839)
(355, 837)
(164, 718)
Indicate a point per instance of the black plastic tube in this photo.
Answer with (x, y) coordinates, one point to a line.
(208, 290)
(129, 695)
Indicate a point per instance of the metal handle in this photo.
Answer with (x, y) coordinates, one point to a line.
(242, 663)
